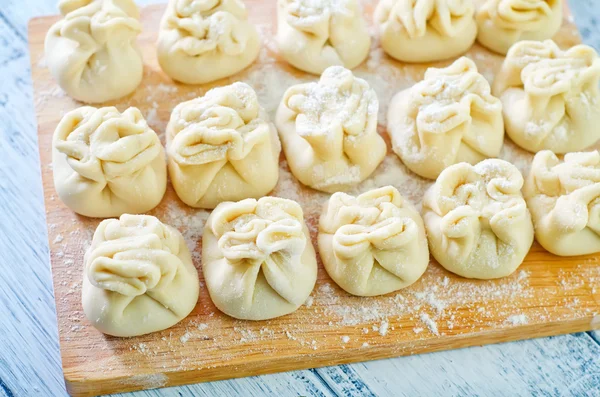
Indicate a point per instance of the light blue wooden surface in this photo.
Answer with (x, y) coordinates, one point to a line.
(29, 356)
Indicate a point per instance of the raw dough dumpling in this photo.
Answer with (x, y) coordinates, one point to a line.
(502, 23)
(328, 130)
(257, 258)
(92, 52)
(550, 97)
(425, 30)
(477, 221)
(222, 147)
(107, 163)
(205, 40)
(448, 118)
(564, 200)
(372, 244)
(315, 34)
(138, 277)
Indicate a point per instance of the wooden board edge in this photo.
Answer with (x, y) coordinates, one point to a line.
(86, 387)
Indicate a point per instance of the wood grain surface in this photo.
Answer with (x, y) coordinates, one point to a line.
(553, 295)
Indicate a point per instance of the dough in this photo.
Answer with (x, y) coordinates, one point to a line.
(425, 30)
(477, 221)
(107, 163)
(222, 147)
(200, 41)
(372, 244)
(550, 97)
(329, 131)
(502, 23)
(257, 258)
(315, 34)
(564, 200)
(138, 277)
(92, 52)
(448, 118)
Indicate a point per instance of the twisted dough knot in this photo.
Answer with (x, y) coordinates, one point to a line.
(103, 144)
(479, 192)
(447, 97)
(337, 102)
(315, 16)
(136, 254)
(209, 25)
(524, 15)
(373, 219)
(92, 23)
(447, 17)
(555, 178)
(269, 229)
(225, 124)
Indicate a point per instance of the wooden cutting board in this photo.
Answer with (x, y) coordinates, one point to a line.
(546, 296)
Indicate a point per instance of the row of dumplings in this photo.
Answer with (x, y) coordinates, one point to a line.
(222, 146)
(259, 262)
(93, 54)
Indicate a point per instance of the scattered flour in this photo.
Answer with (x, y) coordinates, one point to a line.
(517, 319)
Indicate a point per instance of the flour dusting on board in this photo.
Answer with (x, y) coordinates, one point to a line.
(438, 305)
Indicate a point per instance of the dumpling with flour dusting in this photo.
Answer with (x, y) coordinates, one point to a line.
(372, 244)
(205, 40)
(550, 97)
(448, 118)
(138, 277)
(107, 163)
(425, 30)
(328, 130)
(502, 23)
(92, 51)
(315, 34)
(564, 199)
(222, 147)
(257, 258)
(477, 221)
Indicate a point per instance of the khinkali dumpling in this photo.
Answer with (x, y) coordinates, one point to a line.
(222, 147)
(257, 258)
(328, 130)
(502, 23)
(107, 163)
(477, 221)
(564, 200)
(425, 30)
(448, 118)
(550, 97)
(92, 52)
(205, 40)
(138, 277)
(315, 34)
(372, 244)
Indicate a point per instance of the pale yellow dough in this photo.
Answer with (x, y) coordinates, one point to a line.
(200, 41)
(107, 163)
(564, 200)
(372, 244)
(92, 51)
(502, 23)
(315, 34)
(138, 277)
(477, 221)
(448, 118)
(328, 130)
(222, 147)
(550, 97)
(257, 258)
(425, 30)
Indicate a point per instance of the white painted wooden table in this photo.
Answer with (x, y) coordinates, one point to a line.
(29, 357)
